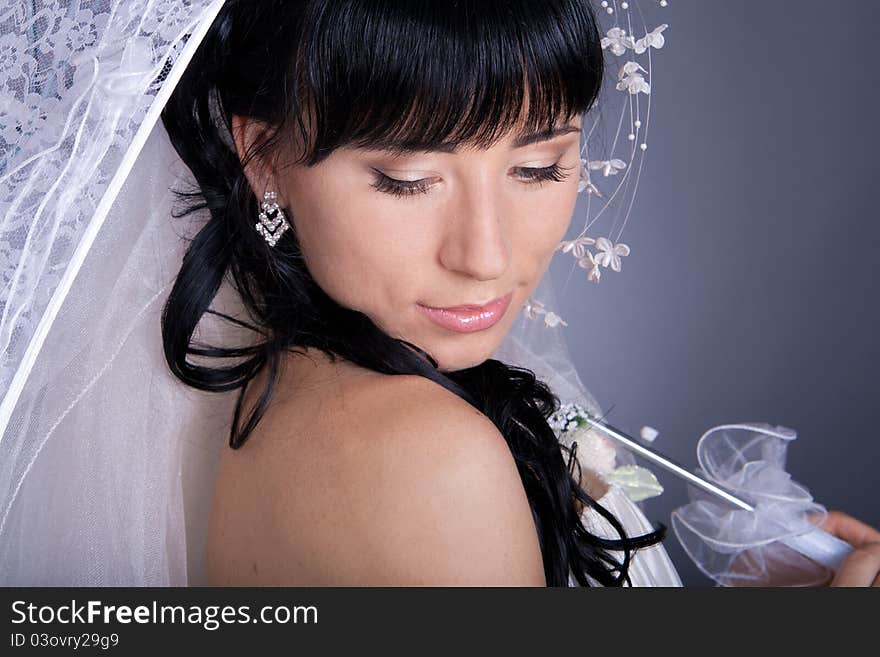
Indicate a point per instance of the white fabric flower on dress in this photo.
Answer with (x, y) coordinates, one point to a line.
(631, 79)
(610, 254)
(617, 41)
(589, 262)
(608, 167)
(652, 38)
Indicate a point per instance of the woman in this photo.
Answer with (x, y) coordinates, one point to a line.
(410, 194)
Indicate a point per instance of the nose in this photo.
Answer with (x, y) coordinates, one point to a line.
(475, 242)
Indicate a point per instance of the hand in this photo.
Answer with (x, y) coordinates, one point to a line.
(862, 566)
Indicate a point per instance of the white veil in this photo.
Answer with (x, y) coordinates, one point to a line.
(106, 459)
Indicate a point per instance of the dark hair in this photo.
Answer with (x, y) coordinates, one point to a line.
(419, 74)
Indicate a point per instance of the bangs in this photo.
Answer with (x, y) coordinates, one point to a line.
(423, 75)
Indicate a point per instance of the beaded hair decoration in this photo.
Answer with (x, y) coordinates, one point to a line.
(610, 180)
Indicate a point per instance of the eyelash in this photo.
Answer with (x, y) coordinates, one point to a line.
(535, 175)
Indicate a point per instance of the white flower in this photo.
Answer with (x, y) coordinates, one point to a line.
(577, 246)
(653, 38)
(609, 167)
(610, 254)
(585, 182)
(618, 41)
(594, 452)
(553, 320)
(589, 262)
(631, 79)
(533, 308)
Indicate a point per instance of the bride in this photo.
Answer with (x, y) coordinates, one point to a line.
(371, 194)
(408, 216)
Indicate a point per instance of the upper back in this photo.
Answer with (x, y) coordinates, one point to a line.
(357, 478)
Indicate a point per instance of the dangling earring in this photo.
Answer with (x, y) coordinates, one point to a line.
(272, 223)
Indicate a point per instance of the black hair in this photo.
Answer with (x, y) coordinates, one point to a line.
(404, 74)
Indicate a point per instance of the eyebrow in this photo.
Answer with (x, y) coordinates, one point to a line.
(520, 142)
(525, 140)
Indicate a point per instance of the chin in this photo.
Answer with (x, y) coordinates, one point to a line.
(462, 360)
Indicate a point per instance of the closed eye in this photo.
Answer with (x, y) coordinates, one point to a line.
(532, 175)
(554, 173)
(387, 184)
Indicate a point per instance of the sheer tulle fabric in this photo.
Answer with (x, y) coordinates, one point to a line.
(744, 548)
(93, 431)
(114, 442)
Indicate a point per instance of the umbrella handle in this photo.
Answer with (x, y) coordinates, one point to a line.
(818, 545)
(821, 547)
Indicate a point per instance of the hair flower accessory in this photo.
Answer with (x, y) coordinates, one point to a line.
(598, 454)
(576, 246)
(617, 41)
(585, 182)
(589, 262)
(533, 308)
(621, 164)
(652, 38)
(610, 254)
(608, 167)
(631, 79)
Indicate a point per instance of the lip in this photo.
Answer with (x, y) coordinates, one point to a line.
(468, 318)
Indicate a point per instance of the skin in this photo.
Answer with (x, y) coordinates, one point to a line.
(481, 230)
(862, 567)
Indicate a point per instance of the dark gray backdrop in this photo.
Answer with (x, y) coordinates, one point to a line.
(751, 290)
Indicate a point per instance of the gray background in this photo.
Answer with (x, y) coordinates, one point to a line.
(751, 290)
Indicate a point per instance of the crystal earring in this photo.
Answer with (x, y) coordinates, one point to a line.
(272, 223)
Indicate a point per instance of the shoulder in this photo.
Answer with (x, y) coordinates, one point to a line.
(428, 492)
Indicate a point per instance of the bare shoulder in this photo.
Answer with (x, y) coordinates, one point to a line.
(397, 482)
(441, 500)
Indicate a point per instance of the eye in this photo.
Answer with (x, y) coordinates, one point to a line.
(534, 175)
(389, 185)
(538, 175)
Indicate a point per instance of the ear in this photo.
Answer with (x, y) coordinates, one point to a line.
(247, 132)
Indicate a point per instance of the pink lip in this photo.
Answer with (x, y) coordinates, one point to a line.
(467, 319)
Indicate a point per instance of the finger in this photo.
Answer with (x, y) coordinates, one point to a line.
(850, 529)
(860, 568)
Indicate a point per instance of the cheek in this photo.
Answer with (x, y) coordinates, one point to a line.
(360, 254)
(546, 221)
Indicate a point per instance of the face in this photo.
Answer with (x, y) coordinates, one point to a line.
(399, 238)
